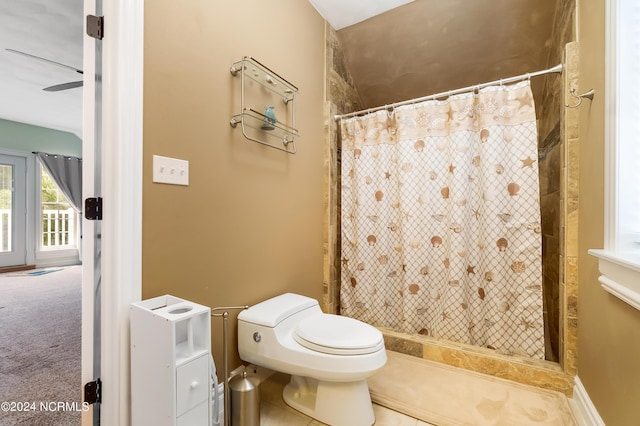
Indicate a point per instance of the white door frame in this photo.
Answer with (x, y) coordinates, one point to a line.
(122, 77)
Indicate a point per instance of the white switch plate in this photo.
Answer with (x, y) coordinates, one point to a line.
(170, 170)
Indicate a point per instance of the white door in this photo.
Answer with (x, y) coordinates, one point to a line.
(91, 229)
(13, 210)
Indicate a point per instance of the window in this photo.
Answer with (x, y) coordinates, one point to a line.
(58, 217)
(6, 207)
(619, 261)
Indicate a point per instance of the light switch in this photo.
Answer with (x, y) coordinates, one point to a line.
(170, 170)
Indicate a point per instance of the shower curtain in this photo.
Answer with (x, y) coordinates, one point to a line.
(441, 231)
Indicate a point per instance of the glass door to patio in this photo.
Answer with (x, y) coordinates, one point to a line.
(12, 210)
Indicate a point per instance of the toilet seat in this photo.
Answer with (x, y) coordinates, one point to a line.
(338, 335)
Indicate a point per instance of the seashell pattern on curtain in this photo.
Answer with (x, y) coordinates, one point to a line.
(441, 220)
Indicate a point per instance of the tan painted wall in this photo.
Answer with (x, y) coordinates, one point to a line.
(608, 329)
(249, 225)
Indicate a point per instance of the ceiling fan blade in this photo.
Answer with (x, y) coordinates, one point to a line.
(44, 59)
(63, 86)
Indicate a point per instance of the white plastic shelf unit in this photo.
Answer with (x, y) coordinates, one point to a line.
(170, 362)
(263, 87)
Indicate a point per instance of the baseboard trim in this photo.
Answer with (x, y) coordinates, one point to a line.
(584, 405)
(17, 268)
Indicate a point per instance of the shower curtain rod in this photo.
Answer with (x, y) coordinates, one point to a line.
(556, 69)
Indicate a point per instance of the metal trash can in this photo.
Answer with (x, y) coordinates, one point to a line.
(245, 401)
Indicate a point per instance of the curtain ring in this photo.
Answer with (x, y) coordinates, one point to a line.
(390, 111)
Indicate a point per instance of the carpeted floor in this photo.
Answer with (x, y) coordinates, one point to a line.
(40, 329)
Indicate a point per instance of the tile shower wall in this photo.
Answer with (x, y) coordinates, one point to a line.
(341, 97)
(551, 155)
(558, 165)
(550, 168)
(557, 129)
(569, 234)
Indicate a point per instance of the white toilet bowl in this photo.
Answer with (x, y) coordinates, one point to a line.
(328, 356)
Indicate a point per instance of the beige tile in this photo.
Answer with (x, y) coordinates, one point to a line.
(271, 392)
(270, 415)
(572, 117)
(573, 168)
(271, 389)
(571, 230)
(446, 395)
(403, 346)
(388, 417)
(572, 56)
(543, 374)
(274, 411)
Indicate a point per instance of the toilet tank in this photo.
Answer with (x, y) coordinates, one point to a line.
(273, 311)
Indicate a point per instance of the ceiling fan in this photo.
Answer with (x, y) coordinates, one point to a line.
(57, 87)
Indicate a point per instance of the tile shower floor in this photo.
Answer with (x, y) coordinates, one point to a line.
(435, 394)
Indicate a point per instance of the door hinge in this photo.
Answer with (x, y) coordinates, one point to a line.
(93, 208)
(93, 392)
(95, 26)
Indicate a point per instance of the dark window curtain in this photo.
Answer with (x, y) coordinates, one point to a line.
(67, 174)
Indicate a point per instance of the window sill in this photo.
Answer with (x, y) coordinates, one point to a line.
(620, 274)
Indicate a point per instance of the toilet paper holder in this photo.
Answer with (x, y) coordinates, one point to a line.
(225, 355)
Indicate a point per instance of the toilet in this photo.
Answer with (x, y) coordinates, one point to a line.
(328, 356)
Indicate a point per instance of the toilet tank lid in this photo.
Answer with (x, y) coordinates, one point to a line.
(272, 311)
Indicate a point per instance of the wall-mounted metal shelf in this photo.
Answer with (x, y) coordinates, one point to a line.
(262, 86)
(255, 120)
